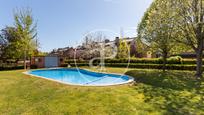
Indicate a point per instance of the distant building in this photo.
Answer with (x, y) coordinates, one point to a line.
(79, 52)
(47, 61)
(131, 42)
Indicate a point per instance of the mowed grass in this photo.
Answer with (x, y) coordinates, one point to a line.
(154, 92)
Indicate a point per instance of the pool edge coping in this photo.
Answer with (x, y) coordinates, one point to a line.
(131, 80)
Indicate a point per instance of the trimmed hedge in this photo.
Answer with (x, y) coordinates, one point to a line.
(11, 68)
(190, 61)
(173, 63)
(154, 66)
(33, 66)
(171, 60)
(142, 66)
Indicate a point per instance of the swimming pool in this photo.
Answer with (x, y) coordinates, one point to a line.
(81, 77)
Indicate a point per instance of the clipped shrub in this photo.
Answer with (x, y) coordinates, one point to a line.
(33, 66)
(189, 61)
(154, 66)
(175, 60)
(11, 68)
(73, 61)
(171, 60)
(146, 66)
(63, 65)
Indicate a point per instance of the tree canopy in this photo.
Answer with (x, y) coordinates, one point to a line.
(19, 41)
(167, 24)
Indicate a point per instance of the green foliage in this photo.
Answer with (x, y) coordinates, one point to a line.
(171, 60)
(189, 26)
(20, 40)
(175, 60)
(189, 22)
(141, 66)
(33, 66)
(11, 68)
(123, 50)
(180, 48)
(11, 49)
(158, 28)
(141, 47)
(26, 30)
(167, 24)
(173, 63)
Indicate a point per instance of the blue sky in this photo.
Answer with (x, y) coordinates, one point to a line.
(63, 23)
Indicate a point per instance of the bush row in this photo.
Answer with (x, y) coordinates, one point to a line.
(141, 66)
(11, 68)
(172, 60)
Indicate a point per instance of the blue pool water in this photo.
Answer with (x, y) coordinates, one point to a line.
(81, 77)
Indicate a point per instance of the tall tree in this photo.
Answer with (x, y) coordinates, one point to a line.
(11, 48)
(123, 49)
(157, 28)
(3, 43)
(26, 31)
(141, 48)
(190, 26)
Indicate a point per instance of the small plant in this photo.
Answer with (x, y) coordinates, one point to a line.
(175, 60)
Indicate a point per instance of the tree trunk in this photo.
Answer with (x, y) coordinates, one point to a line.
(199, 63)
(25, 60)
(16, 62)
(164, 61)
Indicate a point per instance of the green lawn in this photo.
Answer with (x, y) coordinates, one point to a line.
(154, 93)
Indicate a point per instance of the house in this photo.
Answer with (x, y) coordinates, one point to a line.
(80, 52)
(137, 47)
(47, 61)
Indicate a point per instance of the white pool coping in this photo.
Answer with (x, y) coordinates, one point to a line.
(131, 79)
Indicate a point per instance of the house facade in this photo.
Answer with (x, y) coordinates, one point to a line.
(47, 61)
(80, 51)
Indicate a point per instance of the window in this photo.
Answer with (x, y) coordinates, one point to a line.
(38, 60)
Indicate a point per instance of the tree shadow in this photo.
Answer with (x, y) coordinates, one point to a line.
(172, 91)
(169, 79)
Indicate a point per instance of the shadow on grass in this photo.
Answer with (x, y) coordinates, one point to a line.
(172, 80)
(175, 92)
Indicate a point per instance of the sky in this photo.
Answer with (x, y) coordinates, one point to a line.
(64, 23)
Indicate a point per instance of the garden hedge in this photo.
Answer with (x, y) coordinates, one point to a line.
(11, 68)
(142, 66)
(171, 60)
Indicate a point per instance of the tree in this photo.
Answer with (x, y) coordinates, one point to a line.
(157, 28)
(11, 46)
(26, 31)
(123, 49)
(190, 26)
(96, 45)
(2, 46)
(141, 48)
(92, 46)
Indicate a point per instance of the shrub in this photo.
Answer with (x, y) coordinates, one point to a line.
(73, 61)
(63, 65)
(11, 68)
(33, 66)
(189, 61)
(146, 66)
(172, 60)
(175, 60)
(79, 64)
